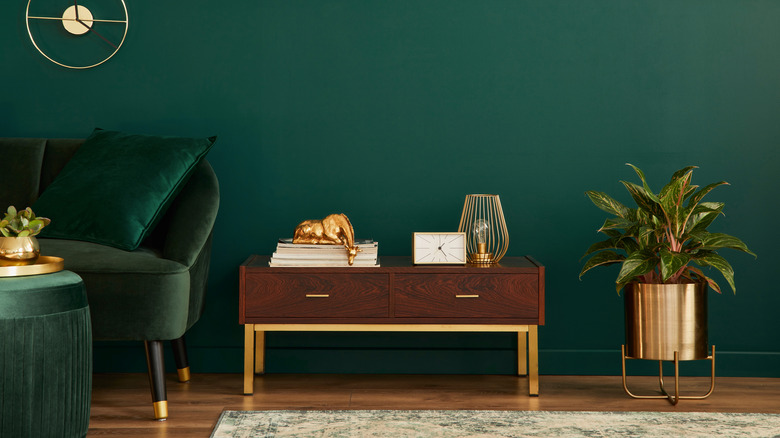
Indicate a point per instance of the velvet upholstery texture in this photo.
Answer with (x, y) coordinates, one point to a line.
(58, 153)
(45, 356)
(117, 186)
(133, 295)
(188, 235)
(20, 167)
(155, 291)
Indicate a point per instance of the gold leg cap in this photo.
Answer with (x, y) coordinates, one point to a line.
(184, 374)
(161, 410)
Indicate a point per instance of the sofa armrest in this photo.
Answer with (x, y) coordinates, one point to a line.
(190, 220)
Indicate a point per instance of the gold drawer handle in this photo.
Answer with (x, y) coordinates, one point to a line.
(466, 296)
(317, 295)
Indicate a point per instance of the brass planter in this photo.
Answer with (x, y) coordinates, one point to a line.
(664, 318)
(667, 322)
(19, 251)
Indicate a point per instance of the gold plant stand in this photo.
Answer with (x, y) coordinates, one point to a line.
(676, 397)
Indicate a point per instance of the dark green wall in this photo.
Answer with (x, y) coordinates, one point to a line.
(393, 111)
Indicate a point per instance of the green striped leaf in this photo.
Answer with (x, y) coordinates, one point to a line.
(602, 259)
(715, 286)
(703, 216)
(643, 201)
(636, 264)
(680, 173)
(649, 193)
(604, 244)
(616, 224)
(719, 263)
(703, 191)
(607, 203)
(680, 182)
(672, 262)
(714, 241)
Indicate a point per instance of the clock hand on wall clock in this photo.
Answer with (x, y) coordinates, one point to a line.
(94, 31)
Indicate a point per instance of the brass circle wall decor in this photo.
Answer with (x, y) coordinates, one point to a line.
(77, 36)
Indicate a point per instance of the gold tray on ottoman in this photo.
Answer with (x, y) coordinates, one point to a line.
(44, 265)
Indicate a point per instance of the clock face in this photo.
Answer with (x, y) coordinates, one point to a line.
(439, 248)
(75, 35)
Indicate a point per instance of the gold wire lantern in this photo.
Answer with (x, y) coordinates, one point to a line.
(487, 238)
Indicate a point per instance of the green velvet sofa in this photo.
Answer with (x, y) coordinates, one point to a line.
(152, 293)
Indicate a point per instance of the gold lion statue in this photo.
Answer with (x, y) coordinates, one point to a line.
(334, 229)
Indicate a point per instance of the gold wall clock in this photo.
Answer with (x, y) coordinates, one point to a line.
(77, 34)
(439, 248)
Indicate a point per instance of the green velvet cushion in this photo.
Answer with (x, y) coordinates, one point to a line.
(117, 186)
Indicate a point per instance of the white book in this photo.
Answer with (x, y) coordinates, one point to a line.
(338, 256)
(327, 252)
(303, 254)
(322, 263)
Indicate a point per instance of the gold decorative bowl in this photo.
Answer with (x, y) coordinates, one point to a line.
(19, 251)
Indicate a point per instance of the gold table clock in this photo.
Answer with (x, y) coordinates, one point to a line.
(439, 248)
(75, 35)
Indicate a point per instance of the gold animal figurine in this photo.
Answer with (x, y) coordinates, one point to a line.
(334, 229)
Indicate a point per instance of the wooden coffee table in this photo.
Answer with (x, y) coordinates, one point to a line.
(398, 296)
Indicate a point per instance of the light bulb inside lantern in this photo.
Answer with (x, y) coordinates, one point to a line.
(481, 230)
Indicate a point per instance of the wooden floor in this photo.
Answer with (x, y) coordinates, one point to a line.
(121, 403)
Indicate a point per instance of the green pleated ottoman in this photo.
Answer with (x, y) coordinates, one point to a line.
(45, 356)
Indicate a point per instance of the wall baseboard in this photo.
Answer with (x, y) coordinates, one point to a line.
(130, 358)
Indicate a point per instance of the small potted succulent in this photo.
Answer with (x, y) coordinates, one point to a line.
(663, 245)
(18, 245)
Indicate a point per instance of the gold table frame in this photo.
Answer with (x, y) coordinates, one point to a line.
(527, 343)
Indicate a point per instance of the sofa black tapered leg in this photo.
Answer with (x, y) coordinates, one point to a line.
(180, 356)
(156, 365)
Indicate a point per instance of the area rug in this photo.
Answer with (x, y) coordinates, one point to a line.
(483, 424)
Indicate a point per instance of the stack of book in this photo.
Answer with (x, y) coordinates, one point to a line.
(313, 255)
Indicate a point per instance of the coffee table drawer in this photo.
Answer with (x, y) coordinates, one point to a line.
(476, 296)
(317, 296)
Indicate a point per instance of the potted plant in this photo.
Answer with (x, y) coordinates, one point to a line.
(663, 245)
(18, 245)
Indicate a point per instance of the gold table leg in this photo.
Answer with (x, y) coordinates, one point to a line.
(259, 352)
(533, 360)
(249, 358)
(522, 353)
